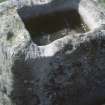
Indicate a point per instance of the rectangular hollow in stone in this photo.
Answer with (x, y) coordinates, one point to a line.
(48, 27)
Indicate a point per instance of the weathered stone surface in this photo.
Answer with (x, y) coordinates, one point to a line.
(68, 71)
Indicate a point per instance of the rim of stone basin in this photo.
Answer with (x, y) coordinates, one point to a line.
(94, 20)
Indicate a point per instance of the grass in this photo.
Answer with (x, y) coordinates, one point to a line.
(2, 0)
(102, 2)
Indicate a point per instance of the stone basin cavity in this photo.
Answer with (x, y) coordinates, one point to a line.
(45, 28)
(68, 71)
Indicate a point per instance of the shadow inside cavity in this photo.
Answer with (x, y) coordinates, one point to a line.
(46, 28)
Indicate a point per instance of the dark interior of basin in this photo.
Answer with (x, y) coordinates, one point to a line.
(46, 28)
